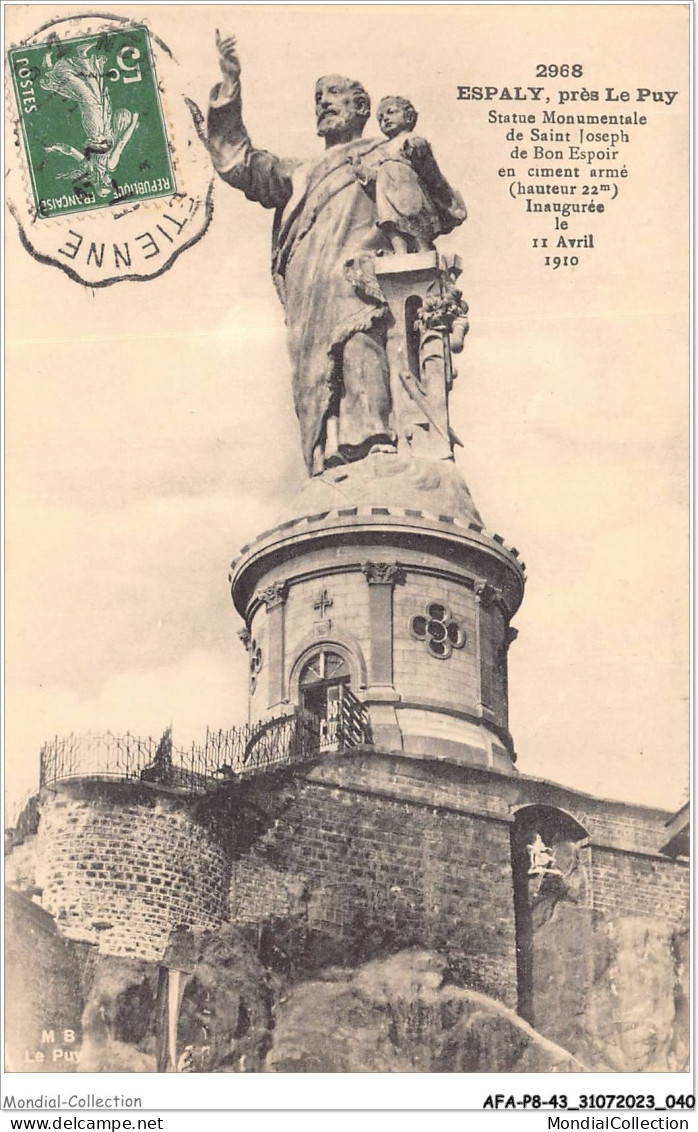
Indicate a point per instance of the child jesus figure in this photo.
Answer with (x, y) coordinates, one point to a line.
(414, 202)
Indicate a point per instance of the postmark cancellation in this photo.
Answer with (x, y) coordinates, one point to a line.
(109, 177)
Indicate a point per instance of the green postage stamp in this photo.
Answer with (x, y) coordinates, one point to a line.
(92, 121)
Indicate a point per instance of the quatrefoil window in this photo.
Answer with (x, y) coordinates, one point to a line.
(256, 660)
(440, 631)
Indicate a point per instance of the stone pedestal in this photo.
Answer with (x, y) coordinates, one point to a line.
(386, 565)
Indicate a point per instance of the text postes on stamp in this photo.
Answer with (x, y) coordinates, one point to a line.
(92, 123)
(108, 173)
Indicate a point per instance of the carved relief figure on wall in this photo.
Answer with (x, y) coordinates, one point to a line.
(541, 858)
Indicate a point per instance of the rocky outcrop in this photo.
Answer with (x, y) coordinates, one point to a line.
(224, 1018)
(45, 976)
(403, 1015)
(613, 992)
(609, 995)
(631, 1021)
(225, 1015)
(118, 1022)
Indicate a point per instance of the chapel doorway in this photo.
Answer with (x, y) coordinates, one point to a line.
(324, 686)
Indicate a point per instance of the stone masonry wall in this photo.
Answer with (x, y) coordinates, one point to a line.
(360, 854)
(631, 884)
(358, 865)
(422, 851)
(348, 614)
(123, 871)
(627, 830)
(420, 675)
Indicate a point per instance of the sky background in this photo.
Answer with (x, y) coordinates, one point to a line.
(150, 429)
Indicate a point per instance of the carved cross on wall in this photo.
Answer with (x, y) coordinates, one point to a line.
(323, 603)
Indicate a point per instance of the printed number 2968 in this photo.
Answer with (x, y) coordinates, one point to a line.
(559, 70)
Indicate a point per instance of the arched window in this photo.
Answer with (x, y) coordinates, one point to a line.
(322, 682)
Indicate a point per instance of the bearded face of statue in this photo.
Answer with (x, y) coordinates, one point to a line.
(341, 109)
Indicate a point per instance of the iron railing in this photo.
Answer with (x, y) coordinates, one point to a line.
(239, 750)
(223, 755)
(106, 755)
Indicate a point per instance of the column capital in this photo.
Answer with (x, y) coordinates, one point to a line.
(274, 594)
(487, 595)
(383, 573)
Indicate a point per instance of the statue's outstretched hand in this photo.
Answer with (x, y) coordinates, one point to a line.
(228, 57)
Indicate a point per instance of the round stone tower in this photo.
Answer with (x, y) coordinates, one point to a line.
(381, 589)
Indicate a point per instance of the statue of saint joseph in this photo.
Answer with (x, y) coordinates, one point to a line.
(325, 236)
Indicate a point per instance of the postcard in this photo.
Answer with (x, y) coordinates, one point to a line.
(347, 400)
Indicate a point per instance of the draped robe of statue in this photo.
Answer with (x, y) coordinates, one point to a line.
(325, 223)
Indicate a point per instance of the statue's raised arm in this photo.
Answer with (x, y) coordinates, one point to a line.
(259, 175)
(229, 62)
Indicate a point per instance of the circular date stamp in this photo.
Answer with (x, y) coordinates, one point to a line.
(109, 175)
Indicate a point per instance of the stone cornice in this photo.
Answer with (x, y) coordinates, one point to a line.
(377, 516)
(444, 707)
(395, 528)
